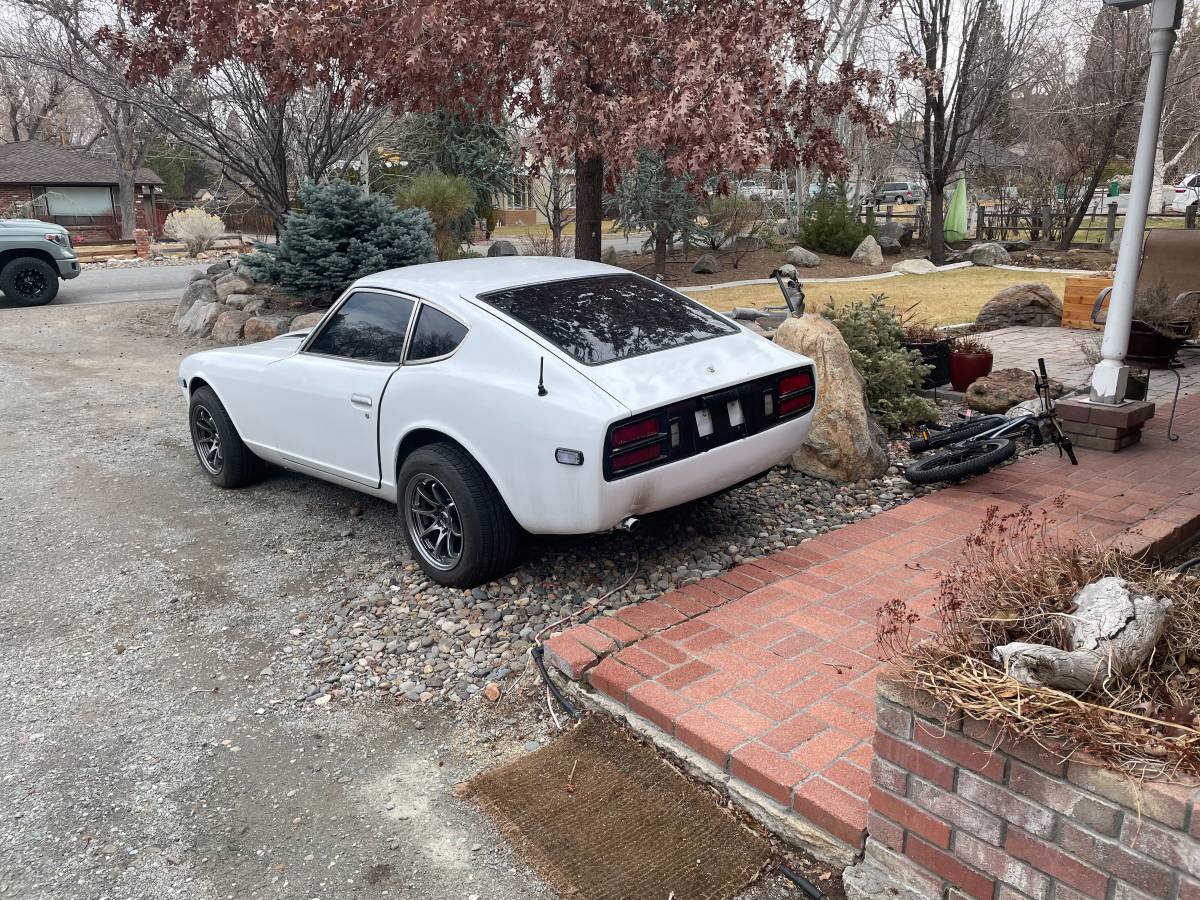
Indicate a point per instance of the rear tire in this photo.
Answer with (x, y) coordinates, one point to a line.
(955, 433)
(457, 526)
(223, 456)
(29, 281)
(957, 463)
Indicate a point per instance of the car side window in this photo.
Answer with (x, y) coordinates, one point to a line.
(434, 335)
(368, 326)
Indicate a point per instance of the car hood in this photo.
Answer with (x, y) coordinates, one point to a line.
(655, 379)
(29, 226)
(259, 353)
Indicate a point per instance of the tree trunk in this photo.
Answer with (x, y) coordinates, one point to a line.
(589, 206)
(126, 202)
(937, 224)
(660, 251)
(1083, 202)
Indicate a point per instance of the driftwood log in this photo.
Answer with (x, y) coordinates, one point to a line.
(1113, 631)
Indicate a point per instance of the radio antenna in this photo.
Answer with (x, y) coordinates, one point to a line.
(542, 392)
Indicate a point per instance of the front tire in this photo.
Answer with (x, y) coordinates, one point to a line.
(29, 281)
(225, 458)
(458, 527)
(957, 463)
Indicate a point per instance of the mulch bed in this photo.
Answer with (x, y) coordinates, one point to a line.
(759, 264)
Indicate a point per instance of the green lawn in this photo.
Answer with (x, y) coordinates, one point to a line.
(945, 298)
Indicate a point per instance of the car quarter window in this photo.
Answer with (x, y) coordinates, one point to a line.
(369, 326)
(434, 335)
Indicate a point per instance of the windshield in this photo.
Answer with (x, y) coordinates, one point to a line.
(609, 317)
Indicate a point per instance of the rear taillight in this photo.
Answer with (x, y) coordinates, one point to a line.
(635, 444)
(634, 431)
(796, 393)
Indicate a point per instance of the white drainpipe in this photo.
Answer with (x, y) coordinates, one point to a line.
(1111, 373)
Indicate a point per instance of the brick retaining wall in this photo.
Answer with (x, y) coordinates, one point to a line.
(951, 817)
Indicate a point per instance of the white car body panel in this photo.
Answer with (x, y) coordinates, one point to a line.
(295, 408)
(1187, 192)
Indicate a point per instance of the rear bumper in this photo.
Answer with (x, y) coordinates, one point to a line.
(603, 505)
(68, 268)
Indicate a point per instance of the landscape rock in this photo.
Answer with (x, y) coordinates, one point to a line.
(707, 264)
(1027, 303)
(609, 256)
(308, 320)
(1016, 246)
(844, 443)
(239, 301)
(218, 268)
(786, 271)
(868, 253)
(889, 245)
(901, 233)
(262, 328)
(914, 267)
(1004, 389)
(231, 283)
(199, 320)
(988, 255)
(503, 248)
(196, 292)
(229, 325)
(256, 305)
(801, 258)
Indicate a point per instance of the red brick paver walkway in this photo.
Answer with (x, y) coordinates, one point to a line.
(769, 669)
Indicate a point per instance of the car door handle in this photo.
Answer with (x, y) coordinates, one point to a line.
(361, 400)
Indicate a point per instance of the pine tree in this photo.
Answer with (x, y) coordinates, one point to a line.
(340, 235)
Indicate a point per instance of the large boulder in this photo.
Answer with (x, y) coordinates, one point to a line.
(901, 233)
(844, 443)
(199, 320)
(889, 245)
(262, 328)
(200, 291)
(1026, 303)
(503, 248)
(801, 258)
(219, 268)
(748, 243)
(707, 264)
(914, 267)
(1004, 389)
(230, 284)
(989, 255)
(868, 253)
(228, 327)
(239, 301)
(609, 256)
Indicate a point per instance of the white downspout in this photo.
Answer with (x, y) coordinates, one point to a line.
(1111, 373)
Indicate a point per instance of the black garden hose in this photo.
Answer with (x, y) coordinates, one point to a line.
(810, 890)
(566, 704)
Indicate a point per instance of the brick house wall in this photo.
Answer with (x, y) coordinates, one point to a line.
(15, 193)
(951, 817)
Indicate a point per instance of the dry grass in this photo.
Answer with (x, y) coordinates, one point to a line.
(1017, 582)
(946, 298)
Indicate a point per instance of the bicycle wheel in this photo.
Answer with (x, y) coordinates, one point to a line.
(956, 433)
(971, 458)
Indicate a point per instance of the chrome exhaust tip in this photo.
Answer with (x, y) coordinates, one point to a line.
(630, 524)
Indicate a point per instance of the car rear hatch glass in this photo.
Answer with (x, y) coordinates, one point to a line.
(604, 318)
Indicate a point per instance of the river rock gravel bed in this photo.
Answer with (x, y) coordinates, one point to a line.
(414, 640)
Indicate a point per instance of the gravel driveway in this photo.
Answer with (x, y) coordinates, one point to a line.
(254, 693)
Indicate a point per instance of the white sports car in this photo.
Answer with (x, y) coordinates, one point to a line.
(490, 396)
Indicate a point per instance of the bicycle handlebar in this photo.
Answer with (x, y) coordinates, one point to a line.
(1042, 367)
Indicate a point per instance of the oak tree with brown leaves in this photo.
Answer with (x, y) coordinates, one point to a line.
(722, 85)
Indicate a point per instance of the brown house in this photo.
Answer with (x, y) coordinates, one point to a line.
(73, 188)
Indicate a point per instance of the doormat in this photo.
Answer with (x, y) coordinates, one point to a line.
(601, 817)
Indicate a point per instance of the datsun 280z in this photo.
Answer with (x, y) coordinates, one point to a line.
(489, 398)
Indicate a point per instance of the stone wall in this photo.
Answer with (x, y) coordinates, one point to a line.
(955, 813)
(226, 303)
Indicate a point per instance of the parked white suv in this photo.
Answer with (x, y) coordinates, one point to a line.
(1187, 192)
(899, 192)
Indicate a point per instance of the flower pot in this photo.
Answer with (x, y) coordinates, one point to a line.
(936, 354)
(967, 368)
(1151, 347)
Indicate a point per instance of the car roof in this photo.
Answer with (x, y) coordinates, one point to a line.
(471, 277)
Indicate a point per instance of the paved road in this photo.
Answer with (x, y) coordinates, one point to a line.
(113, 285)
